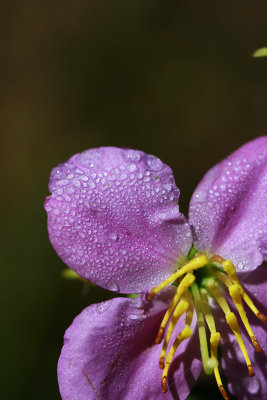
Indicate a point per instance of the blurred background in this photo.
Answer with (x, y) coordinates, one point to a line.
(171, 78)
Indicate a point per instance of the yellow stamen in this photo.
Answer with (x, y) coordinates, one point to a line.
(231, 272)
(232, 322)
(206, 360)
(235, 293)
(192, 294)
(183, 335)
(185, 283)
(198, 262)
(180, 309)
(214, 342)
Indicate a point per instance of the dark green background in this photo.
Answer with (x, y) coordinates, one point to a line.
(171, 78)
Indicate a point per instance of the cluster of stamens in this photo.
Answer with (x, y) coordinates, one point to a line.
(194, 292)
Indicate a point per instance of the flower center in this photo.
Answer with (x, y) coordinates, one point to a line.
(201, 279)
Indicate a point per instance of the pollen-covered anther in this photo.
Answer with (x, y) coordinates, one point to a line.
(250, 371)
(160, 334)
(262, 317)
(162, 362)
(256, 344)
(164, 384)
(217, 259)
(224, 393)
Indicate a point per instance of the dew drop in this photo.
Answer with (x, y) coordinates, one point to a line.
(154, 163)
(253, 385)
(133, 156)
(114, 287)
(133, 316)
(113, 236)
(132, 167)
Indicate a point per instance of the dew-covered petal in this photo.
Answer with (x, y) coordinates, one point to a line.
(233, 364)
(113, 217)
(228, 210)
(109, 354)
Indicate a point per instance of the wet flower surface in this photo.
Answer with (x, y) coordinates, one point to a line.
(113, 217)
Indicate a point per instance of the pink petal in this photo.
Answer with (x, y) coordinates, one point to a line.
(113, 217)
(109, 354)
(228, 210)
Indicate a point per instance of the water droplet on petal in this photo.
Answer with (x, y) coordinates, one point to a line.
(114, 287)
(133, 316)
(253, 385)
(133, 156)
(154, 163)
(132, 167)
(113, 236)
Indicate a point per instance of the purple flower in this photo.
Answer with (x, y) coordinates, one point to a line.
(113, 217)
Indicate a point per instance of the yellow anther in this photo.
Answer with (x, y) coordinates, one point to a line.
(183, 286)
(215, 338)
(229, 268)
(231, 272)
(236, 292)
(180, 309)
(223, 392)
(183, 335)
(232, 322)
(198, 262)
